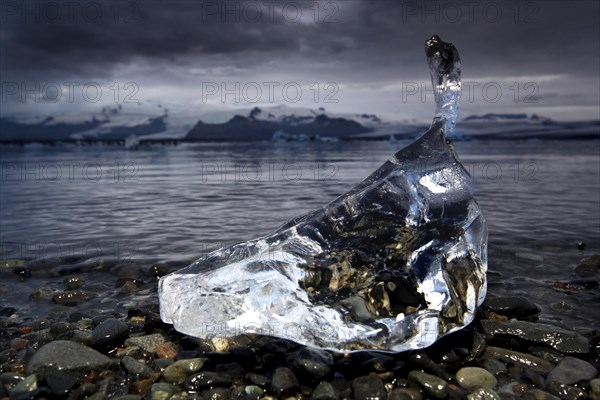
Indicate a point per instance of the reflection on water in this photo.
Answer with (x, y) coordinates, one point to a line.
(179, 202)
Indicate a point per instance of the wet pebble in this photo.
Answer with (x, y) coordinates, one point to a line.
(60, 383)
(511, 307)
(483, 394)
(135, 367)
(323, 391)
(27, 385)
(253, 392)
(207, 379)
(167, 350)
(178, 371)
(148, 343)
(560, 339)
(572, 370)
(434, 386)
(472, 377)
(312, 363)
(70, 297)
(566, 392)
(368, 387)
(66, 356)
(589, 267)
(283, 381)
(406, 394)
(517, 358)
(161, 391)
(110, 332)
(536, 394)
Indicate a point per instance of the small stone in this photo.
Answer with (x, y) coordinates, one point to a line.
(572, 370)
(18, 343)
(29, 384)
(66, 356)
(283, 381)
(181, 369)
(72, 283)
(148, 343)
(220, 344)
(433, 385)
(135, 367)
(368, 387)
(561, 339)
(257, 379)
(473, 377)
(524, 360)
(141, 387)
(110, 332)
(358, 308)
(566, 392)
(483, 394)
(595, 389)
(511, 307)
(60, 383)
(323, 391)
(161, 391)
(206, 380)
(253, 392)
(406, 394)
(70, 297)
(536, 394)
(313, 362)
(167, 350)
(589, 267)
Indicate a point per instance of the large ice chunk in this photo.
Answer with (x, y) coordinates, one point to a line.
(392, 265)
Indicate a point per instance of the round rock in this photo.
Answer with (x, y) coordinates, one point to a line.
(474, 377)
(572, 370)
(66, 356)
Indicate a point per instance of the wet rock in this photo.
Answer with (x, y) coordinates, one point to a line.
(547, 354)
(576, 286)
(323, 391)
(483, 394)
(589, 267)
(72, 282)
(473, 377)
(161, 391)
(312, 363)
(135, 367)
(180, 370)
(18, 343)
(434, 386)
(253, 392)
(405, 394)
(27, 385)
(60, 383)
(522, 359)
(207, 379)
(368, 387)
(10, 378)
(167, 350)
(68, 357)
(478, 345)
(283, 381)
(60, 328)
(595, 387)
(511, 307)
(572, 370)
(257, 379)
(71, 297)
(566, 392)
(536, 394)
(22, 271)
(358, 308)
(148, 343)
(110, 332)
(561, 339)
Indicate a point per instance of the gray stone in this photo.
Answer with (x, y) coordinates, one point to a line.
(473, 377)
(495, 367)
(135, 367)
(566, 392)
(313, 362)
(323, 391)
(358, 308)
(483, 394)
(433, 385)
(368, 387)
(283, 381)
(207, 380)
(148, 343)
(512, 307)
(595, 386)
(109, 333)
(561, 339)
(29, 384)
(178, 371)
(572, 370)
(525, 360)
(161, 391)
(405, 394)
(536, 394)
(67, 357)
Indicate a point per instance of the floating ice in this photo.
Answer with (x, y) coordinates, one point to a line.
(392, 265)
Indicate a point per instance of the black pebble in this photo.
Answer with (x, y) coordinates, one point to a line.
(60, 384)
(109, 333)
(22, 271)
(581, 245)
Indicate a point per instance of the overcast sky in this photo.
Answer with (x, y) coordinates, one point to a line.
(345, 55)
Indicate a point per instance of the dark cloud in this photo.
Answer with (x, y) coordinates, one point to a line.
(364, 40)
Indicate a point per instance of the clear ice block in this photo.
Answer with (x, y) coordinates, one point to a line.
(392, 265)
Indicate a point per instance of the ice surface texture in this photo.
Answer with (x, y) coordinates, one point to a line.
(392, 265)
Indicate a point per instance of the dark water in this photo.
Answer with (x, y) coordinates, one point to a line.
(105, 214)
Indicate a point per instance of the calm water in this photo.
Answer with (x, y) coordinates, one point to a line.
(125, 210)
